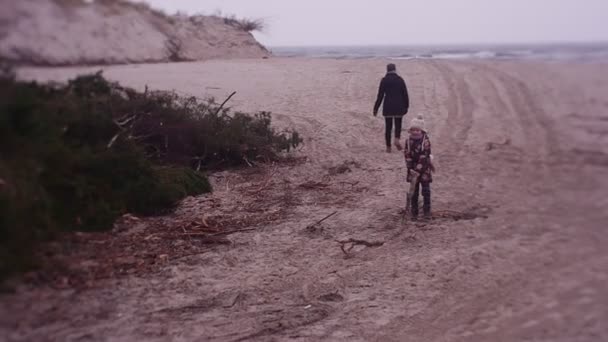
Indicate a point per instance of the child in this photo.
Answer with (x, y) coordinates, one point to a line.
(419, 167)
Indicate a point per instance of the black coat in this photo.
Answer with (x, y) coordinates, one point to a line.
(394, 93)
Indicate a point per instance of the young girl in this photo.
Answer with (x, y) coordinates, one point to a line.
(419, 166)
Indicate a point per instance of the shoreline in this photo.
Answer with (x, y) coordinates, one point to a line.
(309, 58)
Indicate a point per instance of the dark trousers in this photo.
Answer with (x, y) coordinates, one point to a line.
(426, 199)
(389, 128)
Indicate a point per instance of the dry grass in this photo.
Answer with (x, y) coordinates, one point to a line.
(250, 25)
(244, 24)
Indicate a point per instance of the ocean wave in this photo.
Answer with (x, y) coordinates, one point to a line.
(542, 52)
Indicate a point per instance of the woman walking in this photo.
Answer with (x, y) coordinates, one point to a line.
(393, 92)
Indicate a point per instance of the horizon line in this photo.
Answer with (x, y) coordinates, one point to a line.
(565, 42)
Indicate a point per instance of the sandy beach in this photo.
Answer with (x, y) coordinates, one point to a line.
(517, 250)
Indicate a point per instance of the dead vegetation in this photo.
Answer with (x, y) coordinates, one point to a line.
(248, 25)
(344, 167)
(243, 24)
(347, 245)
(75, 157)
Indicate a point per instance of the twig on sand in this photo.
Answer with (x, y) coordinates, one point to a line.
(113, 140)
(228, 232)
(233, 231)
(204, 222)
(239, 297)
(151, 236)
(247, 161)
(352, 184)
(354, 242)
(323, 219)
(208, 238)
(313, 185)
(223, 103)
(457, 215)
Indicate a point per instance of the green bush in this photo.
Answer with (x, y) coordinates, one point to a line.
(78, 156)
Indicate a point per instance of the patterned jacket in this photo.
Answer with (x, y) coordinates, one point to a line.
(418, 157)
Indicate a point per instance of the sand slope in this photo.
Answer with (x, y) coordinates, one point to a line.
(60, 32)
(517, 251)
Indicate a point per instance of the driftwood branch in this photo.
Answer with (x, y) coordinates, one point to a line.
(247, 161)
(141, 137)
(311, 185)
(228, 232)
(352, 184)
(113, 140)
(233, 231)
(323, 219)
(457, 215)
(208, 238)
(121, 122)
(223, 103)
(354, 242)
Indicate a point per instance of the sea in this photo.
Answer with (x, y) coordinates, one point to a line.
(560, 52)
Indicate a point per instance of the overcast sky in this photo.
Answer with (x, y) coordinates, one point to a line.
(402, 22)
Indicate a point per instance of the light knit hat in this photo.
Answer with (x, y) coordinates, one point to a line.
(418, 122)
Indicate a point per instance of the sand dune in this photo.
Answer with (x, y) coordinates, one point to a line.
(517, 251)
(61, 32)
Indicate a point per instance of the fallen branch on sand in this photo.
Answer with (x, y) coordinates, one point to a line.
(310, 185)
(224, 103)
(321, 220)
(354, 242)
(457, 215)
(220, 233)
(493, 145)
(208, 239)
(233, 231)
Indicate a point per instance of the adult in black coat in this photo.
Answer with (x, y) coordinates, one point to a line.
(393, 92)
